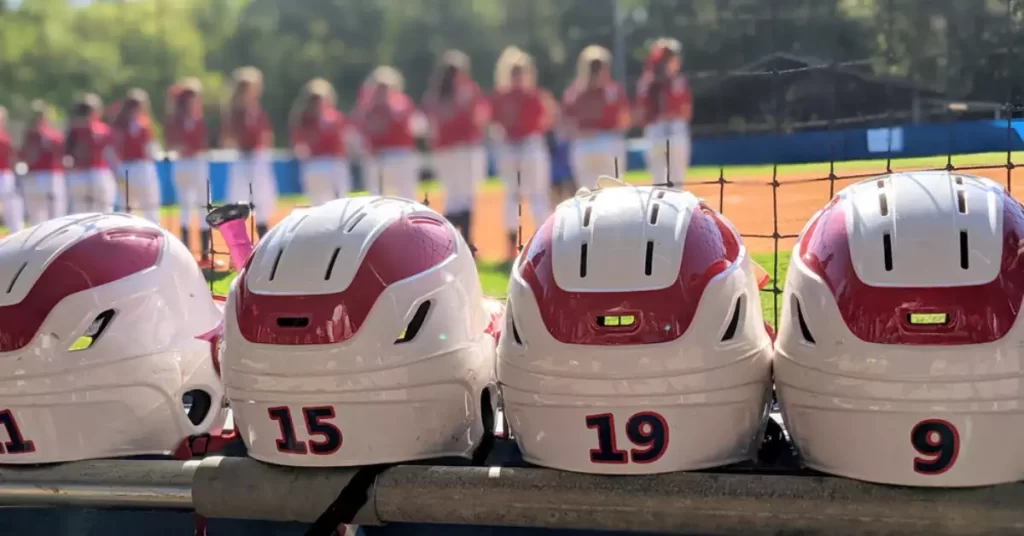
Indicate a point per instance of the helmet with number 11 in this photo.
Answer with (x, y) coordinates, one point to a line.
(108, 339)
(633, 340)
(898, 356)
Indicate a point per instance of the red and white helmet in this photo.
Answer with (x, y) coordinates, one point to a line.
(898, 355)
(106, 325)
(633, 340)
(357, 334)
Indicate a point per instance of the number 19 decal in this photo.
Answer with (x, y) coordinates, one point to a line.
(646, 430)
(939, 443)
(17, 443)
(317, 424)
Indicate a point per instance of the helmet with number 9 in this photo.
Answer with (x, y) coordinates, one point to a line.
(106, 324)
(897, 355)
(633, 340)
(358, 334)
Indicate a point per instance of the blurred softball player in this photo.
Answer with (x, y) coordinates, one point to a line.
(185, 132)
(246, 127)
(596, 112)
(457, 113)
(42, 150)
(385, 117)
(91, 184)
(318, 140)
(10, 201)
(665, 109)
(522, 113)
(134, 155)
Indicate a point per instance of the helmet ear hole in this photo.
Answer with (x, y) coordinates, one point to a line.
(197, 404)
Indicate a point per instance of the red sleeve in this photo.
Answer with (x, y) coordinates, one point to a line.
(147, 132)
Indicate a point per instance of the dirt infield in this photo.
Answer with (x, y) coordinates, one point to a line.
(747, 200)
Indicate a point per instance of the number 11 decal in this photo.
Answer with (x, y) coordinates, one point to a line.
(17, 443)
(647, 430)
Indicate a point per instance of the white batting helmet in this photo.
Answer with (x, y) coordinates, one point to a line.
(898, 351)
(357, 334)
(108, 325)
(633, 339)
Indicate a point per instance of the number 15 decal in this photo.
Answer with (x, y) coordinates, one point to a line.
(317, 424)
(939, 442)
(646, 429)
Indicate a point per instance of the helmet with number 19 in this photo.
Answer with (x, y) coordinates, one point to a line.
(898, 355)
(107, 326)
(357, 334)
(633, 340)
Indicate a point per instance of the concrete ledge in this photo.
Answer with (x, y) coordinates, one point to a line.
(702, 503)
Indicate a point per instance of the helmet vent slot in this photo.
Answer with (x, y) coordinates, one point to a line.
(583, 260)
(93, 332)
(959, 179)
(330, 264)
(883, 204)
(586, 215)
(649, 261)
(661, 194)
(418, 318)
(965, 262)
(355, 222)
(277, 260)
(887, 247)
(734, 324)
(961, 201)
(654, 213)
(804, 330)
(515, 333)
(16, 276)
(294, 322)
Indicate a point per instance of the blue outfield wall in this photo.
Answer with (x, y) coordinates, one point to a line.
(905, 141)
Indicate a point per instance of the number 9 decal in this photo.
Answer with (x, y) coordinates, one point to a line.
(939, 443)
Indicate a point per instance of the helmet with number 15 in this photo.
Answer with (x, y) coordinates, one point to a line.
(633, 340)
(357, 334)
(898, 355)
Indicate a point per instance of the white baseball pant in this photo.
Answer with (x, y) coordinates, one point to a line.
(191, 177)
(325, 178)
(45, 196)
(393, 172)
(460, 169)
(603, 153)
(675, 137)
(254, 172)
(138, 186)
(91, 190)
(525, 168)
(13, 205)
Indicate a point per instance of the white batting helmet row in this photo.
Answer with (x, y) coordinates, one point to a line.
(632, 341)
